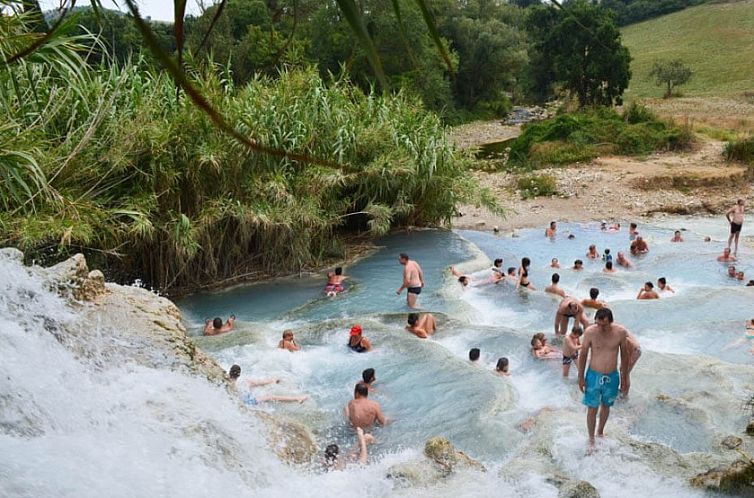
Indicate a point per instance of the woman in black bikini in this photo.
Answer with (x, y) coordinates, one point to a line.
(523, 275)
(358, 343)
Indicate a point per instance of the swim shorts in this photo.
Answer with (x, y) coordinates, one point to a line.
(333, 288)
(249, 399)
(415, 290)
(567, 360)
(735, 227)
(601, 389)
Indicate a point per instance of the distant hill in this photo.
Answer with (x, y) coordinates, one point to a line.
(716, 40)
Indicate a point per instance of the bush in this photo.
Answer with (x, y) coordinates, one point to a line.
(636, 113)
(537, 186)
(740, 150)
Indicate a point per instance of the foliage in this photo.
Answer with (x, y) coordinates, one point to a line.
(580, 47)
(636, 113)
(633, 11)
(740, 150)
(670, 73)
(582, 136)
(536, 186)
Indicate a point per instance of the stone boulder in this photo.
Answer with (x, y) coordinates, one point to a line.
(442, 459)
(12, 254)
(577, 489)
(736, 478)
(444, 454)
(292, 441)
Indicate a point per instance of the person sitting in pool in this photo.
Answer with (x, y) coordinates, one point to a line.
(624, 261)
(677, 237)
(592, 252)
(732, 271)
(615, 227)
(641, 245)
(216, 327)
(726, 256)
(421, 326)
(554, 288)
(551, 230)
(498, 274)
(554, 263)
(571, 346)
(606, 256)
(523, 275)
(363, 412)
(235, 372)
(369, 378)
(357, 342)
(474, 354)
(648, 292)
(609, 268)
(511, 272)
(541, 350)
(632, 231)
(578, 265)
(663, 285)
(289, 342)
(569, 308)
(593, 302)
(333, 461)
(740, 276)
(502, 367)
(335, 282)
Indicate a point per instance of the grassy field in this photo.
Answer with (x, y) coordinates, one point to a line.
(716, 40)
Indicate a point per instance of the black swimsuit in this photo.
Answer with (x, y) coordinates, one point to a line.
(358, 347)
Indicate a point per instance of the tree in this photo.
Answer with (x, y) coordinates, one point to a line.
(671, 74)
(580, 47)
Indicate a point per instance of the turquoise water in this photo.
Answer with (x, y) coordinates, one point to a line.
(686, 389)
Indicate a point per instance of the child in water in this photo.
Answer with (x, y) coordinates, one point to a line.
(541, 350)
(571, 346)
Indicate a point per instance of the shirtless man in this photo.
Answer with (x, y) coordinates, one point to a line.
(551, 230)
(647, 292)
(593, 302)
(571, 346)
(216, 327)
(677, 237)
(736, 222)
(567, 309)
(578, 265)
(609, 268)
(592, 253)
(289, 342)
(732, 271)
(726, 256)
(363, 412)
(554, 263)
(641, 245)
(421, 326)
(413, 280)
(624, 261)
(663, 285)
(601, 381)
(554, 288)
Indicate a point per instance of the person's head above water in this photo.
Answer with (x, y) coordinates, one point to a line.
(287, 335)
(403, 258)
(578, 263)
(368, 375)
(498, 263)
(331, 454)
(555, 278)
(217, 323)
(525, 262)
(464, 280)
(648, 286)
(356, 330)
(552, 225)
(413, 318)
(339, 270)
(577, 330)
(511, 270)
(604, 314)
(632, 226)
(607, 251)
(609, 265)
(474, 354)
(662, 282)
(234, 372)
(361, 390)
(732, 270)
(502, 365)
(594, 292)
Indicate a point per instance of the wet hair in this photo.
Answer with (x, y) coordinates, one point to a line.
(368, 375)
(554, 260)
(604, 313)
(361, 389)
(649, 284)
(594, 292)
(413, 318)
(499, 262)
(474, 354)
(607, 251)
(539, 336)
(525, 262)
(339, 270)
(217, 323)
(577, 330)
(287, 332)
(578, 262)
(234, 372)
(331, 454)
(633, 225)
(555, 278)
(502, 365)
(403, 255)
(571, 236)
(463, 279)
(662, 281)
(677, 232)
(551, 224)
(609, 265)
(511, 270)
(750, 283)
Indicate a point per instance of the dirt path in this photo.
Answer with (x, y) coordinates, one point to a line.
(613, 188)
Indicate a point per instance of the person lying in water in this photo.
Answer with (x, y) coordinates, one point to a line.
(333, 459)
(216, 327)
(541, 350)
(248, 398)
(289, 342)
(464, 280)
(335, 282)
(421, 326)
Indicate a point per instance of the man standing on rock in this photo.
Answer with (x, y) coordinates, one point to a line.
(736, 222)
(413, 280)
(601, 381)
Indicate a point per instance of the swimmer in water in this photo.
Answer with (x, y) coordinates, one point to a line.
(592, 252)
(362, 412)
(663, 285)
(502, 367)
(421, 326)
(464, 280)
(554, 263)
(732, 271)
(368, 377)
(578, 265)
(726, 256)
(216, 327)
(677, 237)
(523, 275)
(474, 355)
(609, 268)
(335, 282)
(235, 372)
(498, 274)
(541, 350)
(632, 231)
(648, 292)
(551, 230)
(624, 261)
(593, 302)
(554, 288)
(289, 342)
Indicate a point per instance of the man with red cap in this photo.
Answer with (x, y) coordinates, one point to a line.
(357, 342)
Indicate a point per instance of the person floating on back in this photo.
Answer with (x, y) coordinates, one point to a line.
(421, 326)
(248, 398)
(335, 282)
(357, 342)
(216, 327)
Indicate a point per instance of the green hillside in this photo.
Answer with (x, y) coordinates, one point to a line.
(716, 40)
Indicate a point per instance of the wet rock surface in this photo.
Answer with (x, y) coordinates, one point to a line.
(735, 479)
(442, 459)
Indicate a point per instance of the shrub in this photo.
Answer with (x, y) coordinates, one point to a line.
(636, 113)
(740, 150)
(536, 186)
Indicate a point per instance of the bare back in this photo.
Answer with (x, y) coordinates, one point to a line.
(364, 413)
(412, 275)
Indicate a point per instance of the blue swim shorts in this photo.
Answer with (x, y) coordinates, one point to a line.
(601, 389)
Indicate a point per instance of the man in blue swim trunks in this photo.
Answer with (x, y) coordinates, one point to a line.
(600, 382)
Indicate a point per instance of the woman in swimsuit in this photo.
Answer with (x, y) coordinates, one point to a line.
(357, 342)
(523, 275)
